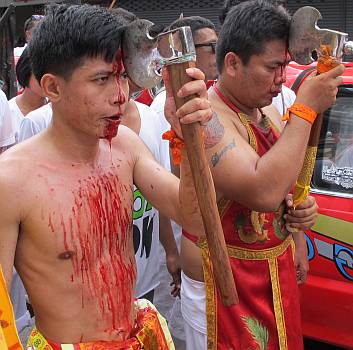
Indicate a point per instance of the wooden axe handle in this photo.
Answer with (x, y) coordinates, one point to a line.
(325, 64)
(205, 192)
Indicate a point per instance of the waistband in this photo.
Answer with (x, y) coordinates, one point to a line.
(255, 254)
(152, 333)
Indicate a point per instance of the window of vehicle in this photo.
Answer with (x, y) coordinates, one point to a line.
(334, 162)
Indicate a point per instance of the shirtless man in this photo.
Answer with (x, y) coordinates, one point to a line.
(253, 174)
(69, 232)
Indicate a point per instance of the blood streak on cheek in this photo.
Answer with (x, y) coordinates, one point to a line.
(98, 228)
(118, 69)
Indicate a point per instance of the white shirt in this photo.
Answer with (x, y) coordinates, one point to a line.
(146, 218)
(35, 122)
(7, 135)
(284, 100)
(16, 116)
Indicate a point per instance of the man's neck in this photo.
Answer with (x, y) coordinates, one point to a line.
(29, 101)
(252, 112)
(73, 145)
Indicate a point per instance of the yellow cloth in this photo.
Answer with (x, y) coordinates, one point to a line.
(9, 339)
(154, 335)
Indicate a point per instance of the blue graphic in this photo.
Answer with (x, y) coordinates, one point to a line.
(311, 250)
(344, 259)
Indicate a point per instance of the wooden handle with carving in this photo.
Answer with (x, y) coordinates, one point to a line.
(205, 192)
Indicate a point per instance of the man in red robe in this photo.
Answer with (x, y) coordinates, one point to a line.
(255, 161)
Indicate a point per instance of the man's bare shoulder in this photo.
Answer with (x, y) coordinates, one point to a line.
(15, 160)
(128, 141)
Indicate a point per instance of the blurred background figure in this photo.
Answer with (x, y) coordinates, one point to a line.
(28, 29)
(30, 97)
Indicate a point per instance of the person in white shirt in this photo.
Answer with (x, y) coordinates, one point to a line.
(7, 135)
(284, 100)
(35, 122)
(31, 97)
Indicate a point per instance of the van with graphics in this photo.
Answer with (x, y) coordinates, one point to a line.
(327, 296)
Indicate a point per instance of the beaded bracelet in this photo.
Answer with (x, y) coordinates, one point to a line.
(301, 111)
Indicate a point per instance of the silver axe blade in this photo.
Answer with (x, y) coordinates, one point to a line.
(305, 37)
(144, 55)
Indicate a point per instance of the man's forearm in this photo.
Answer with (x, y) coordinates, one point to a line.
(166, 236)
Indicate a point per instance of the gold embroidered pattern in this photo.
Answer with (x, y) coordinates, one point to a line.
(211, 304)
(262, 254)
(252, 138)
(277, 304)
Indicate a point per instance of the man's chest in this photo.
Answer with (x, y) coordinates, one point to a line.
(83, 214)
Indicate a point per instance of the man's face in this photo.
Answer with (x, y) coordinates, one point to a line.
(205, 40)
(261, 79)
(94, 97)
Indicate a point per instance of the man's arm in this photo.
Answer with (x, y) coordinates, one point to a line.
(261, 183)
(166, 237)
(9, 221)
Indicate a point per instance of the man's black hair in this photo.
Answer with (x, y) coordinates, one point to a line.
(24, 69)
(70, 33)
(194, 22)
(248, 27)
(228, 4)
(123, 15)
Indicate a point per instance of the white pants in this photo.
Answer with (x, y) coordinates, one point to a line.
(193, 309)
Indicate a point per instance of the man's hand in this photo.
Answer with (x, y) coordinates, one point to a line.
(174, 268)
(319, 91)
(301, 262)
(304, 215)
(198, 109)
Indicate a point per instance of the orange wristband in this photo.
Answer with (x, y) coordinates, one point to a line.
(175, 144)
(301, 111)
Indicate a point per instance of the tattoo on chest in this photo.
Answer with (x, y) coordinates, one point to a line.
(218, 155)
(214, 131)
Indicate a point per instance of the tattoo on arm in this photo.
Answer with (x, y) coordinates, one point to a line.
(218, 155)
(214, 131)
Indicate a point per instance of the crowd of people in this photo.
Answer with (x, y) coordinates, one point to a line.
(102, 244)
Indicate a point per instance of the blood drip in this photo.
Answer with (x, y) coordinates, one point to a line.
(283, 67)
(118, 69)
(98, 229)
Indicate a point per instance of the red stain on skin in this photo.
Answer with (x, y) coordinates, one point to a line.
(281, 70)
(118, 70)
(98, 230)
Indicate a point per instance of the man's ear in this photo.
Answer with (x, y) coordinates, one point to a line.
(52, 86)
(232, 63)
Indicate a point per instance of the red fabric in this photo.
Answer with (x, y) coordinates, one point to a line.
(253, 277)
(190, 237)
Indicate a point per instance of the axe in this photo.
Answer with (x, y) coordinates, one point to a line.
(144, 55)
(304, 38)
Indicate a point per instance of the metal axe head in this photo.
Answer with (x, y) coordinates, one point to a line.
(144, 54)
(305, 37)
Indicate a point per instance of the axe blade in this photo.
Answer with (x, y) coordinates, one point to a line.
(139, 53)
(303, 34)
(144, 55)
(305, 37)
